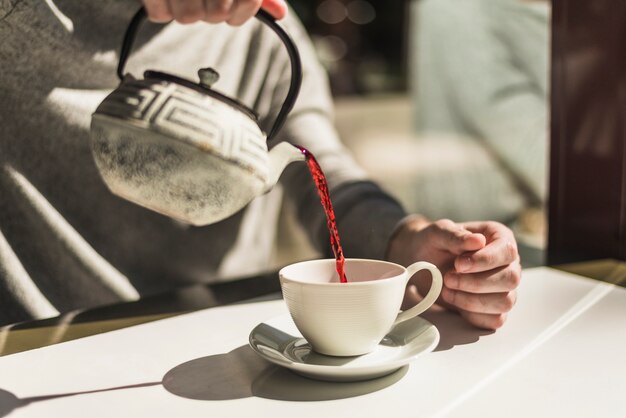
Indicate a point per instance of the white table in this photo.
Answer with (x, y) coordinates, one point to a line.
(562, 353)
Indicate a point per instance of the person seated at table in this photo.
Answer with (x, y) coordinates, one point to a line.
(67, 243)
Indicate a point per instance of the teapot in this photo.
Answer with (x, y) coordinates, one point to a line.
(181, 148)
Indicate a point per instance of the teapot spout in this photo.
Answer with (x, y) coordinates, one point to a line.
(281, 156)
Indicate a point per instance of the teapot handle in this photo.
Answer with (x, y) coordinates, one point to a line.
(263, 16)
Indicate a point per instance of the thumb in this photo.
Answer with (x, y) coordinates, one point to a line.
(459, 240)
(471, 241)
(277, 8)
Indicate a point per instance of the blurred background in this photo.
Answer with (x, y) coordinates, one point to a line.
(361, 43)
(444, 102)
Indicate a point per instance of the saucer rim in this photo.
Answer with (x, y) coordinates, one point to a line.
(319, 370)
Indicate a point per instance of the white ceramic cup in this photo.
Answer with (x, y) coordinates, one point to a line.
(350, 319)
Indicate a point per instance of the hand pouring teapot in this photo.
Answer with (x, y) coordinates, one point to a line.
(184, 150)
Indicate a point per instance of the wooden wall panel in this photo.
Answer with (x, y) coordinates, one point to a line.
(587, 198)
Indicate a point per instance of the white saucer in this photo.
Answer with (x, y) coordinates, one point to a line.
(279, 341)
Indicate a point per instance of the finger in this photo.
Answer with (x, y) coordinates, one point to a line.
(243, 10)
(496, 254)
(277, 8)
(488, 303)
(454, 238)
(501, 248)
(187, 11)
(490, 229)
(501, 279)
(158, 10)
(218, 10)
(486, 321)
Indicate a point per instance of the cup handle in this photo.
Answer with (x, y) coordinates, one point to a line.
(433, 293)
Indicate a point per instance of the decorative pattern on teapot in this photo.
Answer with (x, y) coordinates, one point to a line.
(191, 116)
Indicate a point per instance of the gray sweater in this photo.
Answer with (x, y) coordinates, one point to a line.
(66, 242)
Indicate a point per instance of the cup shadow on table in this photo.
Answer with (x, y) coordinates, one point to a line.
(453, 329)
(238, 374)
(241, 373)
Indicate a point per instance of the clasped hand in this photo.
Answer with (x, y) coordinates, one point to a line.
(479, 262)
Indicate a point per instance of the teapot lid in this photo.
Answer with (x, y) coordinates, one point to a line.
(202, 88)
(263, 16)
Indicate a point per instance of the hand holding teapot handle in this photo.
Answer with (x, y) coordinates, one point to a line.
(234, 13)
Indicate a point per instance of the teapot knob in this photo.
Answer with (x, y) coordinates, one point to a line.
(208, 76)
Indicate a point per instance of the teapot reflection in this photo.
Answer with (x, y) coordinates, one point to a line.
(183, 149)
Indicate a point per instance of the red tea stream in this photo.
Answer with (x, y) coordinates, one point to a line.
(322, 189)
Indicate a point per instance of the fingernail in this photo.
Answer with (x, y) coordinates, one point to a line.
(465, 264)
(452, 280)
